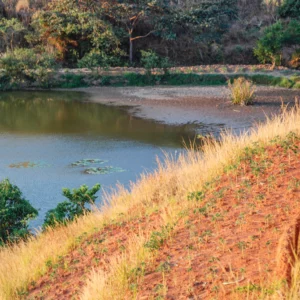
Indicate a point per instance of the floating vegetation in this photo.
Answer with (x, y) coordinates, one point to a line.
(87, 162)
(29, 164)
(103, 170)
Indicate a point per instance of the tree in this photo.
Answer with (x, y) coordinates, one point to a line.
(73, 28)
(132, 13)
(15, 212)
(24, 64)
(202, 26)
(290, 9)
(75, 205)
(209, 21)
(277, 36)
(269, 46)
(11, 31)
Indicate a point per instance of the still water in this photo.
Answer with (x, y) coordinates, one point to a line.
(46, 139)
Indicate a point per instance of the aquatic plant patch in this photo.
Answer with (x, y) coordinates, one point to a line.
(103, 170)
(87, 162)
(29, 164)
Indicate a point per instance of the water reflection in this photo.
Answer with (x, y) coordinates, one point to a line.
(68, 113)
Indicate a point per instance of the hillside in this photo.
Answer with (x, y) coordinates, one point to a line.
(220, 225)
(222, 244)
(122, 33)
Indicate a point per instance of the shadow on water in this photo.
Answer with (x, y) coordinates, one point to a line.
(34, 113)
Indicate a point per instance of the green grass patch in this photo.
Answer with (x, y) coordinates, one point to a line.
(132, 79)
(68, 81)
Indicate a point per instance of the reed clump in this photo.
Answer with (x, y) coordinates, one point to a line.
(242, 91)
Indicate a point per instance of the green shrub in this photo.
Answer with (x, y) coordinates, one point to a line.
(25, 64)
(273, 81)
(297, 85)
(134, 79)
(75, 206)
(295, 60)
(269, 47)
(4, 82)
(277, 36)
(263, 79)
(99, 59)
(15, 212)
(285, 83)
(165, 64)
(12, 32)
(72, 81)
(242, 91)
(195, 79)
(105, 80)
(150, 60)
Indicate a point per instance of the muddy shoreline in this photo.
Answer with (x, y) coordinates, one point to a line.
(202, 105)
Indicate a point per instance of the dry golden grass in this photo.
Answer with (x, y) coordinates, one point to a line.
(167, 188)
(113, 284)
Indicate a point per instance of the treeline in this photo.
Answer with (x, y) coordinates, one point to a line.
(94, 33)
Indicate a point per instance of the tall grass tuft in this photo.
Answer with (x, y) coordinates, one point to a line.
(242, 91)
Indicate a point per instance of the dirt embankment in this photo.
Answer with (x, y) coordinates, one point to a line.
(234, 241)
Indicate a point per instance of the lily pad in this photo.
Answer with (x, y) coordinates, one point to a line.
(103, 170)
(87, 162)
(29, 164)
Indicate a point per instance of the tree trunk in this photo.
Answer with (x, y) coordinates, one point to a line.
(130, 50)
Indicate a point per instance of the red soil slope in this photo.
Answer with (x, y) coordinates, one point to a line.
(238, 233)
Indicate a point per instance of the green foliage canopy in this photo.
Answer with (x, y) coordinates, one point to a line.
(73, 29)
(151, 60)
(209, 21)
(290, 9)
(25, 64)
(11, 32)
(269, 47)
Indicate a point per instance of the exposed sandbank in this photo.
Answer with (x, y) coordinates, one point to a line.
(207, 105)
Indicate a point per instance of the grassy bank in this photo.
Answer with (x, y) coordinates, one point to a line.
(75, 80)
(133, 79)
(151, 213)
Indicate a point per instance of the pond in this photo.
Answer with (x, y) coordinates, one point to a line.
(51, 140)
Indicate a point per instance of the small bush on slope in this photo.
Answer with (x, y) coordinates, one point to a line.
(68, 210)
(15, 212)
